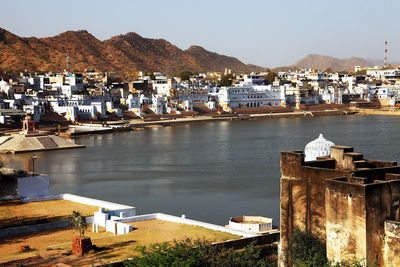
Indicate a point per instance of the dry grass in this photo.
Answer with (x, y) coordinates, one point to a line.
(14, 213)
(109, 247)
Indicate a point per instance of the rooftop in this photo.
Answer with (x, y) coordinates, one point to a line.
(54, 246)
(14, 213)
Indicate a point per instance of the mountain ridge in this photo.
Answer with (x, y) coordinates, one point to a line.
(124, 52)
(321, 62)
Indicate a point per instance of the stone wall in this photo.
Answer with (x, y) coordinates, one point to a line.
(303, 194)
(378, 206)
(392, 243)
(345, 221)
(355, 218)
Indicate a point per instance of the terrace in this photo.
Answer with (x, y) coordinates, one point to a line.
(14, 213)
(54, 246)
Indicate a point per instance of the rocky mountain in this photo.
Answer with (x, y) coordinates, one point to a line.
(379, 62)
(128, 52)
(335, 64)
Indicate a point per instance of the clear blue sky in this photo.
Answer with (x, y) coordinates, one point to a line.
(265, 32)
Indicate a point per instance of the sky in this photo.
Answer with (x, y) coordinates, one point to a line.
(268, 33)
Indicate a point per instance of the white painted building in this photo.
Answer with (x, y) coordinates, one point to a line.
(247, 97)
(383, 93)
(163, 86)
(79, 109)
(158, 104)
(253, 79)
(383, 74)
(251, 224)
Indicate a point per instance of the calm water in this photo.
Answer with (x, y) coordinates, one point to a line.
(209, 171)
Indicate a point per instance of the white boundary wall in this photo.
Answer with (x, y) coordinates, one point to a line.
(171, 218)
(117, 209)
(125, 213)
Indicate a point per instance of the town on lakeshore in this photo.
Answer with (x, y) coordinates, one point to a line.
(328, 191)
(74, 103)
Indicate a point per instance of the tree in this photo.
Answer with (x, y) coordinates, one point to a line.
(361, 72)
(184, 75)
(270, 77)
(195, 253)
(78, 222)
(226, 80)
(152, 76)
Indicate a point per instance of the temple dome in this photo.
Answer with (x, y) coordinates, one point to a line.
(4, 86)
(319, 147)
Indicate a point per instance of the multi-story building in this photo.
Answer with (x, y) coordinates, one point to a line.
(243, 97)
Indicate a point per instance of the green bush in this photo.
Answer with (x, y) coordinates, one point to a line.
(195, 253)
(306, 249)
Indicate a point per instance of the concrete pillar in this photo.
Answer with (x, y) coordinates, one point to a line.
(97, 227)
(93, 227)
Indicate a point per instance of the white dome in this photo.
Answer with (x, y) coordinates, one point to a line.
(319, 147)
(3, 85)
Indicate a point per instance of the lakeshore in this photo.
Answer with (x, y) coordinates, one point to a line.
(140, 124)
(90, 128)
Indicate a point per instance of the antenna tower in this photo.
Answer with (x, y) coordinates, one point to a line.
(385, 55)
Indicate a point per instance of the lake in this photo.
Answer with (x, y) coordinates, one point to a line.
(209, 171)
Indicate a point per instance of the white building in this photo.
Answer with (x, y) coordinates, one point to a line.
(251, 224)
(158, 104)
(383, 93)
(163, 86)
(246, 97)
(383, 74)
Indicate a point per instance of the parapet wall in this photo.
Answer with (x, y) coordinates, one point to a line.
(171, 218)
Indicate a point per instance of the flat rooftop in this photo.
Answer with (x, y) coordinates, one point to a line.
(54, 246)
(13, 213)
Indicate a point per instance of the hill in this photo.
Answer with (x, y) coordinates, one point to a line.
(335, 64)
(128, 52)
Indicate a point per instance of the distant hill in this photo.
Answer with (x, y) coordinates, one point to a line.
(335, 64)
(128, 52)
(379, 62)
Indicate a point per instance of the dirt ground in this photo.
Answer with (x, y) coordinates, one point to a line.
(54, 247)
(14, 213)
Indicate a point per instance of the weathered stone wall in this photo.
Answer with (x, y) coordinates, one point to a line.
(344, 198)
(303, 195)
(345, 221)
(338, 153)
(378, 206)
(376, 174)
(392, 244)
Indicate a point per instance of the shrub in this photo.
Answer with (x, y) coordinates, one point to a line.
(195, 253)
(306, 249)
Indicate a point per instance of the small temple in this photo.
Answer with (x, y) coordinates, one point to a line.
(28, 126)
(29, 139)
